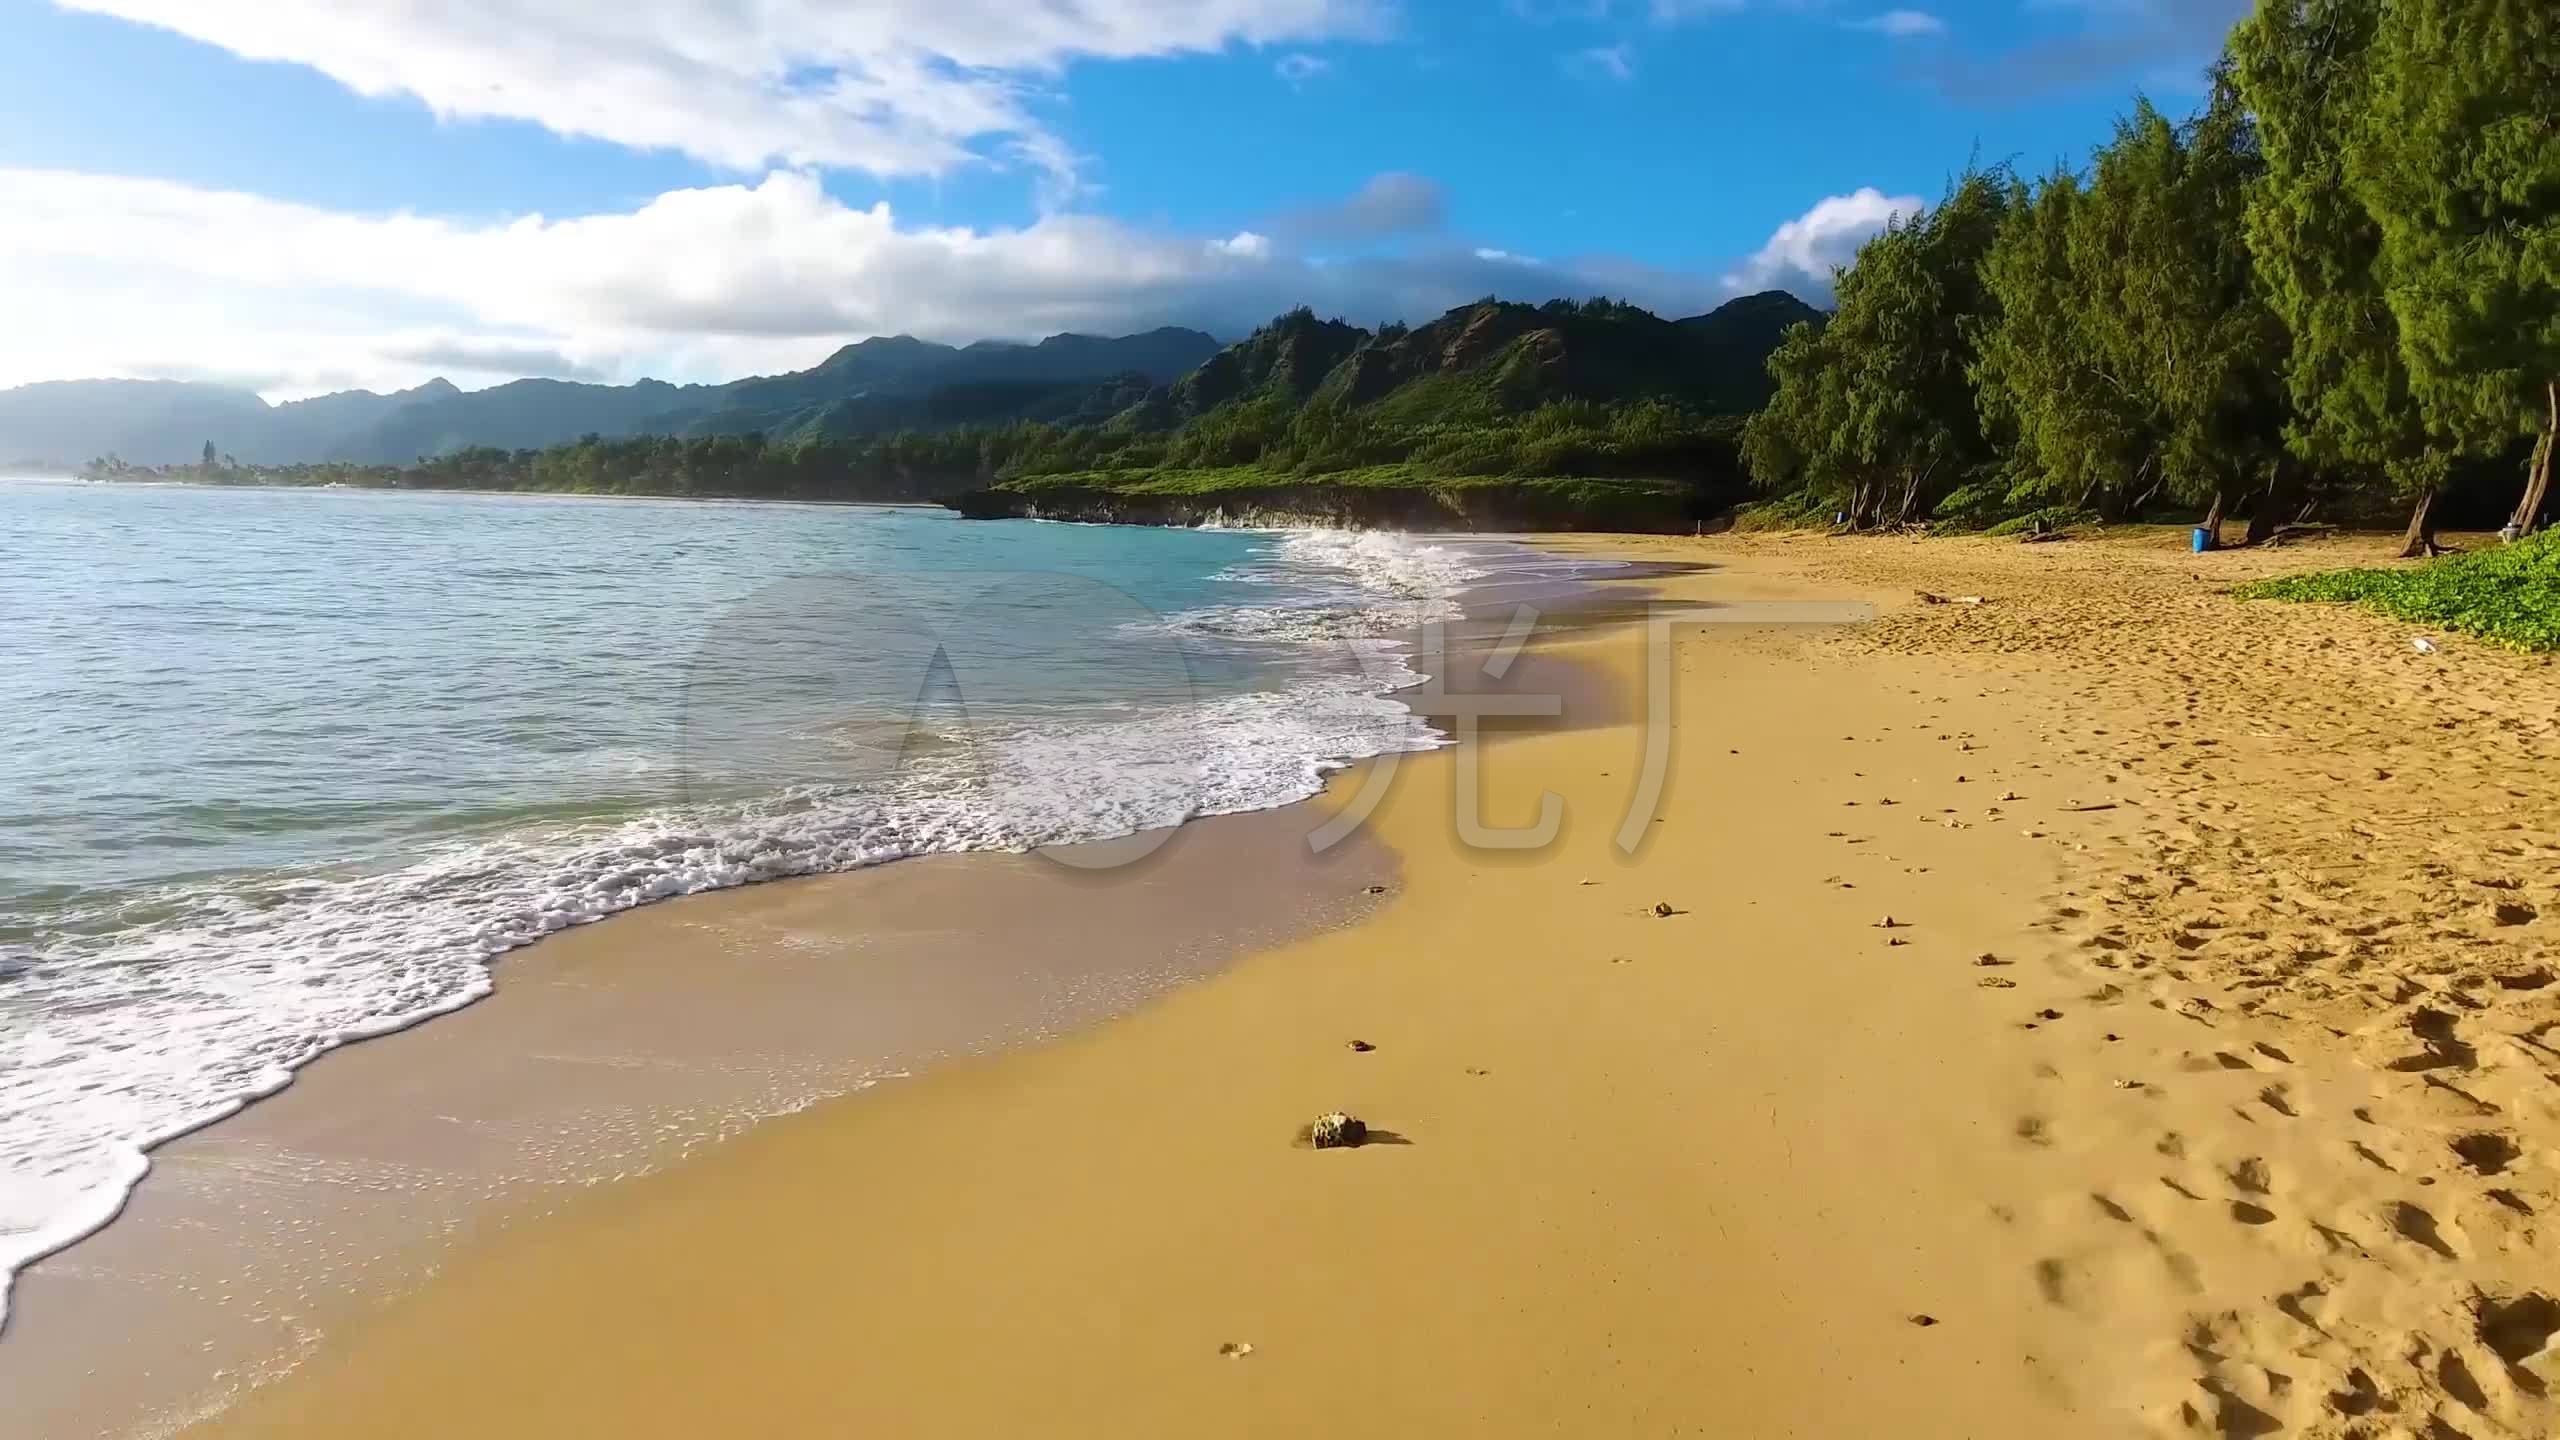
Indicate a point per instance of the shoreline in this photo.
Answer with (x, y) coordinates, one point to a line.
(2064, 1025)
(607, 1051)
(200, 1272)
(1090, 1180)
(74, 478)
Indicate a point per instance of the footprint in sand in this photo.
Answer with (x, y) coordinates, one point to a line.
(2414, 1224)
(2518, 1329)
(2251, 1177)
(2487, 1152)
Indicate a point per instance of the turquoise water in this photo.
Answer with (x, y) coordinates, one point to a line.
(280, 769)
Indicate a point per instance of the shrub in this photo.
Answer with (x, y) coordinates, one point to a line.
(2509, 596)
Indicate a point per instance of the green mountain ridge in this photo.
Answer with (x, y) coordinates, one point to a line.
(1496, 415)
(872, 386)
(1591, 387)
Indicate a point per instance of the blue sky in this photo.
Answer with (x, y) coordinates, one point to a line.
(300, 195)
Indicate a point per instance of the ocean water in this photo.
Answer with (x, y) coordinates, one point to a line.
(284, 769)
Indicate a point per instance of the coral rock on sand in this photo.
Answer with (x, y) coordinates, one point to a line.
(1336, 1131)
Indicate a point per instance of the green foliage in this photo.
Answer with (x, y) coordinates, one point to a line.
(2052, 517)
(1876, 410)
(2301, 68)
(2457, 159)
(2509, 596)
(2126, 352)
(2337, 283)
(1384, 493)
(1533, 394)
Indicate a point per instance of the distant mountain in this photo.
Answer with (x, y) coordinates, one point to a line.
(875, 386)
(70, 421)
(1567, 415)
(1475, 365)
(1487, 360)
(1745, 330)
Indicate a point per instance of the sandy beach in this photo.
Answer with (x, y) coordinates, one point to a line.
(2108, 1009)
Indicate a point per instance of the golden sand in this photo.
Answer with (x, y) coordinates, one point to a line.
(2202, 1083)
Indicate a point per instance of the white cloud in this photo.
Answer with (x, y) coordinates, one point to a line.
(1902, 23)
(1556, 12)
(1663, 12)
(893, 87)
(1299, 67)
(1802, 252)
(112, 276)
(1672, 12)
(1611, 62)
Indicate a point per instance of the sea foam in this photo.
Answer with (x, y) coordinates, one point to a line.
(140, 1021)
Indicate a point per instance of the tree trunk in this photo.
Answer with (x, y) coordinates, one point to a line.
(2538, 483)
(2211, 524)
(2420, 538)
(1862, 503)
(2267, 516)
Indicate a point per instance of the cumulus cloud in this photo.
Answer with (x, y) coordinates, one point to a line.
(1802, 252)
(118, 276)
(1387, 206)
(893, 87)
(1902, 23)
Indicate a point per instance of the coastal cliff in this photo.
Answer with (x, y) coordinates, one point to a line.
(1620, 506)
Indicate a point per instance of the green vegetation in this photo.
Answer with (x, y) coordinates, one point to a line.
(2509, 596)
(1544, 402)
(878, 386)
(2334, 288)
(910, 467)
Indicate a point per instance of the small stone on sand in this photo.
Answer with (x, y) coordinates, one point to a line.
(1337, 1131)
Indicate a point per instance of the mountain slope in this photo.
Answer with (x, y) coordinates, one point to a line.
(1481, 362)
(882, 384)
(148, 421)
(1535, 412)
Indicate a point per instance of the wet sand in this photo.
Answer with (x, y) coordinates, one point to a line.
(1645, 1172)
(613, 1050)
(2106, 1010)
